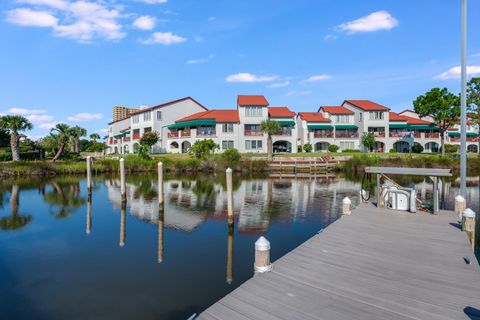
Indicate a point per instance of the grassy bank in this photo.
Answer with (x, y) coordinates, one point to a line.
(133, 163)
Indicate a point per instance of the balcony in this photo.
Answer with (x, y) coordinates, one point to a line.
(284, 133)
(210, 133)
(431, 135)
(186, 134)
(346, 134)
(173, 134)
(396, 134)
(417, 134)
(378, 134)
(136, 136)
(327, 134)
(253, 133)
(469, 139)
(126, 139)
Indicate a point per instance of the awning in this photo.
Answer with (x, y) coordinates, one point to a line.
(423, 127)
(346, 126)
(285, 123)
(399, 126)
(457, 134)
(322, 126)
(120, 135)
(193, 123)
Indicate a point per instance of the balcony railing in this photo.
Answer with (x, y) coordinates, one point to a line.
(328, 134)
(457, 139)
(206, 133)
(253, 133)
(126, 139)
(417, 134)
(136, 136)
(432, 134)
(173, 134)
(378, 134)
(346, 134)
(185, 133)
(283, 133)
(396, 135)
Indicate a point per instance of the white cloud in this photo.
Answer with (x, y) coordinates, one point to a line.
(201, 60)
(279, 85)
(153, 1)
(165, 38)
(320, 77)
(85, 117)
(330, 37)
(455, 72)
(105, 130)
(40, 118)
(145, 23)
(297, 93)
(380, 20)
(31, 18)
(47, 125)
(57, 4)
(24, 111)
(248, 77)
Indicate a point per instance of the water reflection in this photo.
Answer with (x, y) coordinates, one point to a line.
(123, 228)
(161, 219)
(15, 221)
(64, 198)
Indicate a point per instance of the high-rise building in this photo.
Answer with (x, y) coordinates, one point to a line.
(121, 112)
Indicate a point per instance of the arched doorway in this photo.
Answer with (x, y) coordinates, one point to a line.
(282, 146)
(472, 148)
(401, 146)
(174, 147)
(115, 150)
(379, 146)
(321, 146)
(135, 148)
(185, 146)
(125, 149)
(431, 147)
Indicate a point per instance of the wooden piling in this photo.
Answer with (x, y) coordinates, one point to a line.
(229, 173)
(89, 174)
(346, 206)
(468, 225)
(160, 183)
(460, 206)
(123, 187)
(262, 256)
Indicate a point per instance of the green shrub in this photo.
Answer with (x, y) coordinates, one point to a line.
(299, 149)
(417, 148)
(450, 148)
(333, 148)
(392, 150)
(231, 156)
(202, 148)
(69, 155)
(351, 150)
(307, 147)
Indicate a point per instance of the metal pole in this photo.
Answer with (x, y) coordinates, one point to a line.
(463, 114)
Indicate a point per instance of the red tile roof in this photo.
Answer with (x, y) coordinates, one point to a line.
(396, 117)
(280, 112)
(313, 117)
(407, 110)
(217, 115)
(367, 105)
(411, 120)
(249, 100)
(336, 110)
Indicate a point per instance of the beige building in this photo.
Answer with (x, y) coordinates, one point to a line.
(121, 112)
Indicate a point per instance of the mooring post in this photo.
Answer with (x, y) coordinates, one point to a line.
(262, 255)
(161, 219)
(230, 254)
(468, 224)
(380, 202)
(89, 214)
(123, 187)
(229, 196)
(460, 205)
(160, 182)
(346, 206)
(363, 196)
(89, 174)
(123, 230)
(435, 194)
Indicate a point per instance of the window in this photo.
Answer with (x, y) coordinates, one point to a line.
(253, 111)
(228, 144)
(227, 127)
(253, 144)
(159, 115)
(360, 117)
(136, 118)
(252, 127)
(342, 118)
(147, 129)
(147, 116)
(347, 145)
(376, 115)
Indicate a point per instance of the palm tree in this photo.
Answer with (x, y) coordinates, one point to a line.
(94, 137)
(63, 134)
(76, 133)
(270, 127)
(14, 125)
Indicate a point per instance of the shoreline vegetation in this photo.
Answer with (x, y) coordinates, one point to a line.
(353, 164)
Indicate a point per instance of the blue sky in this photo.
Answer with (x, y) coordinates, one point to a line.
(71, 61)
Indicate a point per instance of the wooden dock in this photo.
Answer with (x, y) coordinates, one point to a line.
(372, 264)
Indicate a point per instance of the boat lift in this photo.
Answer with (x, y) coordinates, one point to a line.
(434, 174)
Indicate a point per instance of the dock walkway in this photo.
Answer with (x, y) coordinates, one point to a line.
(372, 264)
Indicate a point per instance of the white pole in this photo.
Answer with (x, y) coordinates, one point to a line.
(463, 114)
(89, 174)
(160, 183)
(229, 196)
(123, 188)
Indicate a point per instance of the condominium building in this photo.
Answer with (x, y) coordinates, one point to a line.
(121, 112)
(182, 122)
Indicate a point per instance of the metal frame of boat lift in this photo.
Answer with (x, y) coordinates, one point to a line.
(434, 174)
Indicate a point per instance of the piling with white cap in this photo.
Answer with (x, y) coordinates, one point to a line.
(262, 255)
(123, 187)
(89, 174)
(468, 220)
(229, 195)
(346, 204)
(363, 196)
(160, 182)
(460, 205)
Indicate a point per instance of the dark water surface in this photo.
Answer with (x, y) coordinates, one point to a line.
(57, 261)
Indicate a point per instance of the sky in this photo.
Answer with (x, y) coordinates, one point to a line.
(70, 61)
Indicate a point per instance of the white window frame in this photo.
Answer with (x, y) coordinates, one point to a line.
(227, 127)
(159, 115)
(136, 118)
(253, 111)
(147, 116)
(227, 144)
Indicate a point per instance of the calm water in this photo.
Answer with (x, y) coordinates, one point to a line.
(65, 257)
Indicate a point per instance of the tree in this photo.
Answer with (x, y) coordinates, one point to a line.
(368, 140)
(270, 127)
(63, 135)
(473, 102)
(202, 148)
(307, 147)
(94, 137)
(14, 125)
(417, 148)
(15, 221)
(149, 139)
(443, 106)
(4, 138)
(51, 143)
(76, 133)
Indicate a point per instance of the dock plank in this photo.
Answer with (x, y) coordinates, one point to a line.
(373, 264)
